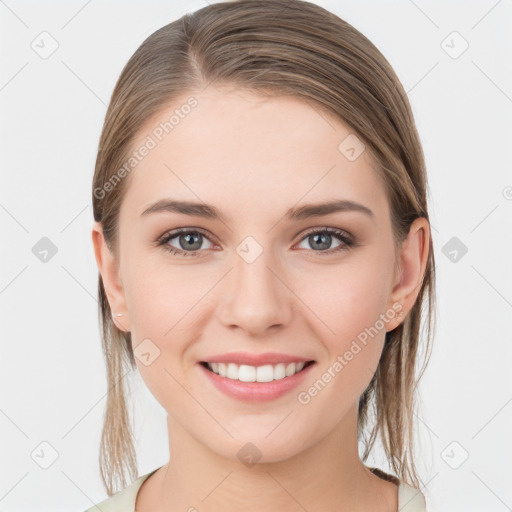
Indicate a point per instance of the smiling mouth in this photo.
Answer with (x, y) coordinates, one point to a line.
(264, 373)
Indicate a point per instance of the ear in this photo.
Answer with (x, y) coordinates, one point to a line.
(412, 264)
(110, 275)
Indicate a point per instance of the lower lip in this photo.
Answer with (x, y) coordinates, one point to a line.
(256, 391)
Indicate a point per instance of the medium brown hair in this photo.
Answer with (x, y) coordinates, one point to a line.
(274, 47)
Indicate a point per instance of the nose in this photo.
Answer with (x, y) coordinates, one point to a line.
(255, 296)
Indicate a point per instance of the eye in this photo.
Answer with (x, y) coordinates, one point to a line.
(320, 239)
(189, 242)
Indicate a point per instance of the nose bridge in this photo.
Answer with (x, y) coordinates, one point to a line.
(255, 299)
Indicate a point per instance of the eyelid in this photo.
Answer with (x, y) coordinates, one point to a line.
(326, 229)
(346, 238)
(163, 240)
(172, 233)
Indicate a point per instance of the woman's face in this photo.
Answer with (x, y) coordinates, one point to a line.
(248, 276)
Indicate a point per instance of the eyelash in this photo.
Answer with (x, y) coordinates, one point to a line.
(342, 236)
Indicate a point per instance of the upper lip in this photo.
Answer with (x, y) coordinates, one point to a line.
(247, 358)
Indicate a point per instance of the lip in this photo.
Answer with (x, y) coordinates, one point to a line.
(239, 358)
(256, 391)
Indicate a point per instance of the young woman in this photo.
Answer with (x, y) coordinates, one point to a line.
(263, 241)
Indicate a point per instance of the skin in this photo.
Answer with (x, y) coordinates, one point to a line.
(254, 158)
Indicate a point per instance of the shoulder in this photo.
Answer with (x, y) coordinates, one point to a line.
(410, 499)
(122, 501)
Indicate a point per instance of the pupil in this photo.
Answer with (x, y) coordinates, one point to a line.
(322, 236)
(189, 242)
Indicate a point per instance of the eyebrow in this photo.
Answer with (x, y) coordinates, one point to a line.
(298, 213)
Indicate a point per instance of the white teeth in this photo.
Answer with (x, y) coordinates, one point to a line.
(246, 373)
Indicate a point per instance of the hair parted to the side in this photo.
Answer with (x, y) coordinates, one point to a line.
(274, 47)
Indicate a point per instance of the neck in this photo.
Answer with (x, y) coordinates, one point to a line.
(328, 476)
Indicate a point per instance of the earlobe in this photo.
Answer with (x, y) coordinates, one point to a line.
(414, 254)
(111, 278)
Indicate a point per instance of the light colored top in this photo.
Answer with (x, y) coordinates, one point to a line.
(409, 498)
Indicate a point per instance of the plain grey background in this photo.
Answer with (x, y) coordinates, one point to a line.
(60, 61)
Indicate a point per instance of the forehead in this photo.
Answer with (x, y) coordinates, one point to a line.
(247, 152)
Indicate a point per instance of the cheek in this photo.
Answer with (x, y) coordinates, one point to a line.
(346, 304)
(161, 308)
(345, 299)
(166, 308)
(160, 296)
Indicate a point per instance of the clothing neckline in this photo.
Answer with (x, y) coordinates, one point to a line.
(410, 499)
